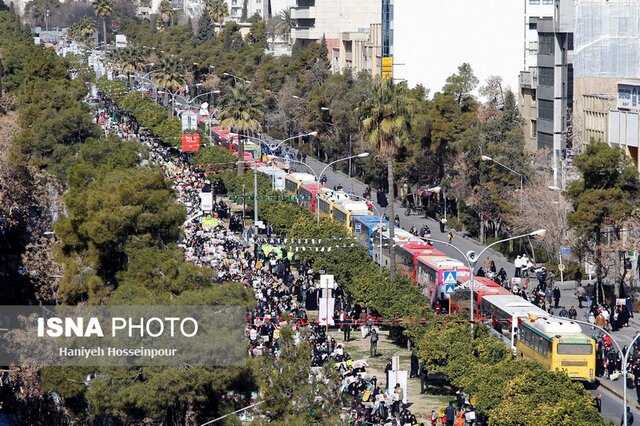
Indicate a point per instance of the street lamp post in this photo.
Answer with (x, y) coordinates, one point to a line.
(471, 259)
(173, 98)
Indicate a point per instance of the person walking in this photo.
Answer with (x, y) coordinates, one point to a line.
(629, 418)
(450, 414)
(556, 296)
(415, 365)
(346, 326)
(374, 343)
(580, 294)
(398, 396)
(450, 237)
(599, 402)
(424, 376)
(518, 265)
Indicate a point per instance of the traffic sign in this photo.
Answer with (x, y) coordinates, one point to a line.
(449, 288)
(450, 277)
(565, 251)
(561, 267)
(358, 228)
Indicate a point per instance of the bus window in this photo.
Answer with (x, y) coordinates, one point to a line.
(574, 349)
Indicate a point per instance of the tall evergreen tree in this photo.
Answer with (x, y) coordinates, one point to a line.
(206, 28)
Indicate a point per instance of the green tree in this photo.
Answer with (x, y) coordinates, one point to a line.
(258, 32)
(292, 395)
(284, 24)
(103, 9)
(218, 10)
(169, 74)
(605, 197)
(166, 12)
(385, 122)
(206, 29)
(241, 110)
(83, 31)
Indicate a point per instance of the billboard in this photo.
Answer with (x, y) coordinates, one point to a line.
(190, 142)
(628, 95)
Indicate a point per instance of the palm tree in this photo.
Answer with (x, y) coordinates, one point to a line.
(218, 10)
(166, 11)
(169, 74)
(284, 24)
(82, 32)
(103, 9)
(242, 111)
(384, 124)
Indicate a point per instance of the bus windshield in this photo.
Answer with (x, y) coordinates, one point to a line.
(574, 349)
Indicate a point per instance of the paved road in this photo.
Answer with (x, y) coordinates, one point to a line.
(406, 222)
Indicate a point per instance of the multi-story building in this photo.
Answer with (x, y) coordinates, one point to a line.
(607, 76)
(546, 84)
(358, 51)
(330, 18)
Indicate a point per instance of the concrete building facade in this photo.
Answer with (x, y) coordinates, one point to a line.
(330, 18)
(546, 84)
(358, 51)
(607, 73)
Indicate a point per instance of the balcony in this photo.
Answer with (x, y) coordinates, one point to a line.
(303, 12)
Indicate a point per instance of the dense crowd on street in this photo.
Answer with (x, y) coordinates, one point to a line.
(283, 286)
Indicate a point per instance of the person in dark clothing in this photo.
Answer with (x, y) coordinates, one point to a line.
(424, 375)
(414, 365)
(387, 368)
(556, 296)
(450, 414)
(629, 417)
(346, 327)
(480, 272)
(599, 403)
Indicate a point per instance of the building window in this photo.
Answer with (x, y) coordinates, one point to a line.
(547, 1)
(545, 109)
(545, 141)
(545, 76)
(534, 1)
(533, 26)
(545, 44)
(534, 128)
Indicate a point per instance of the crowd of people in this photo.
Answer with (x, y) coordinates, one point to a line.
(284, 287)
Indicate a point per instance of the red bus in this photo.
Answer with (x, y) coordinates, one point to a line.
(430, 276)
(407, 257)
(308, 193)
(482, 287)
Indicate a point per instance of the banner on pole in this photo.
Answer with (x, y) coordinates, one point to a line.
(189, 121)
(190, 142)
(206, 201)
(326, 305)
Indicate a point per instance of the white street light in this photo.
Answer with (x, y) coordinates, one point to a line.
(362, 155)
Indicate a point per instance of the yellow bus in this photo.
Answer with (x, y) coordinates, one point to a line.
(558, 345)
(327, 198)
(343, 211)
